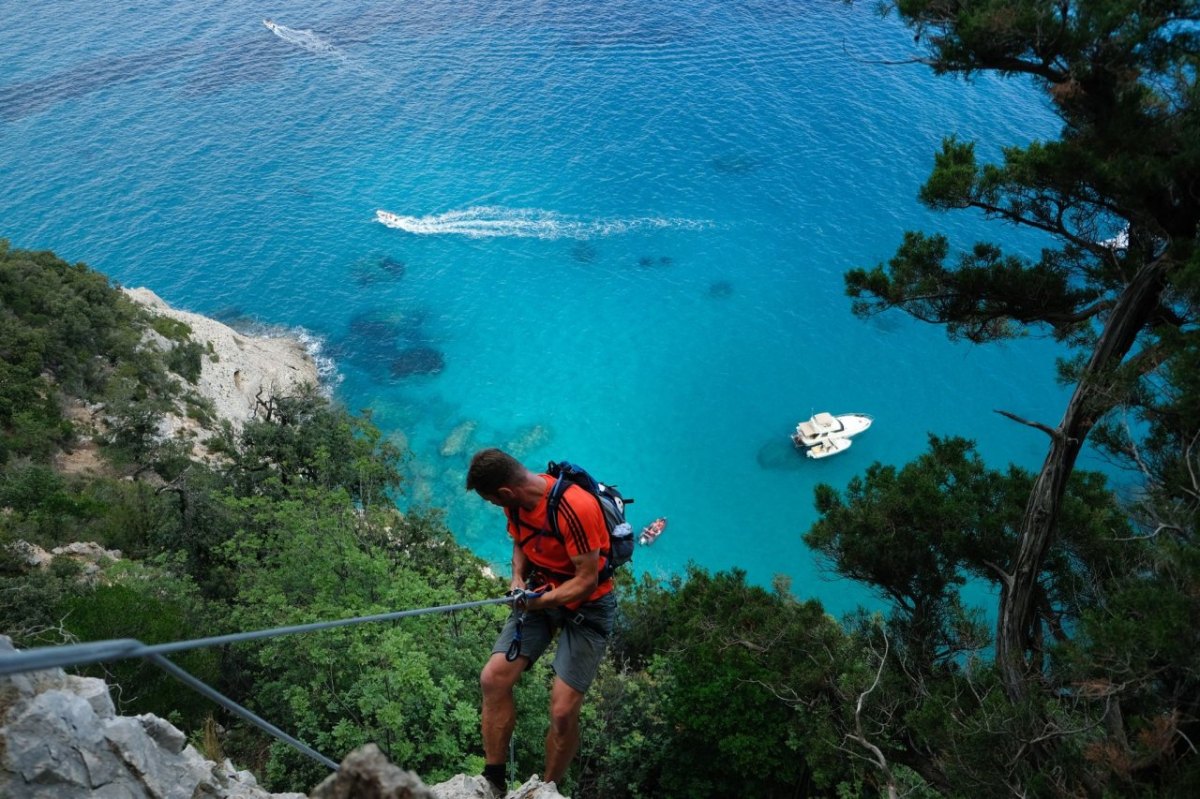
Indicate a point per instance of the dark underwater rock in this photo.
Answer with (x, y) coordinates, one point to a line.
(419, 360)
(584, 252)
(720, 289)
(735, 163)
(369, 271)
(374, 329)
(233, 316)
(392, 266)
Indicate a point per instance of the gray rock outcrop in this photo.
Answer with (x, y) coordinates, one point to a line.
(464, 787)
(366, 773)
(60, 738)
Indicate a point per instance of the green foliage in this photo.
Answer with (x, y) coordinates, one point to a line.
(60, 326)
(171, 329)
(986, 296)
(30, 603)
(48, 509)
(62, 319)
(305, 439)
(410, 687)
(917, 533)
(709, 714)
(154, 606)
(185, 359)
(67, 336)
(1093, 691)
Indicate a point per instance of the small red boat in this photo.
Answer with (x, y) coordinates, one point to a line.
(652, 531)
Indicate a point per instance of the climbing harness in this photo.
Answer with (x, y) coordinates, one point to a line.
(519, 597)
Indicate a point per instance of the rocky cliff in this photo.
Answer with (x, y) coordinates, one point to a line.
(238, 370)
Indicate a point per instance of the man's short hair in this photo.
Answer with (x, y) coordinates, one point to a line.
(491, 469)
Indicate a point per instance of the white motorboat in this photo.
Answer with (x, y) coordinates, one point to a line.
(824, 426)
(827, 447)
(652, 531)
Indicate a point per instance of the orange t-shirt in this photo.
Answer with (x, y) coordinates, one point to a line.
(581, 522)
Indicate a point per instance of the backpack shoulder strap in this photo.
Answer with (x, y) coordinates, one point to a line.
(514, 518)
(555, 499)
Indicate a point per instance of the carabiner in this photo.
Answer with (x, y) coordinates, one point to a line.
(514, 648)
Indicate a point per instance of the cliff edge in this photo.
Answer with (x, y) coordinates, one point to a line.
(239, 369)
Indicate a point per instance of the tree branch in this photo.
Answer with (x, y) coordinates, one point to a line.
(877, 757)
(1050, 431)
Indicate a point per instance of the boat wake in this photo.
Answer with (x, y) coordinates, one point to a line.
(494, 221)
(312, 43)
(304, 39)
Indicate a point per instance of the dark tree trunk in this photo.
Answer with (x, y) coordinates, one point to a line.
(1017, 626)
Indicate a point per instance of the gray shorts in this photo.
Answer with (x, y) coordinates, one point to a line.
(580, 647)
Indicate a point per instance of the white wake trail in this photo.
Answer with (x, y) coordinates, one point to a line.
(494, 221)
(304, 39)
(311, 42)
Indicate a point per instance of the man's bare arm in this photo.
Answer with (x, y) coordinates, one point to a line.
(579, 587)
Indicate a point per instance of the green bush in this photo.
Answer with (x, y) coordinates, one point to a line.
(171, 329)
(186, 359)
(151, 605)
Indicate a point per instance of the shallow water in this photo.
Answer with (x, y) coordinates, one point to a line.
(611, 232)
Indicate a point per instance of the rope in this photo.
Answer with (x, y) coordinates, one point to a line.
(204, 689)
(49, 657)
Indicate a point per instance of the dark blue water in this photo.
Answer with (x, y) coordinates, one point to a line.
(618, 230)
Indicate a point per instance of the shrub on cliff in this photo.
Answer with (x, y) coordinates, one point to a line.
(307, 440)
(68, 334)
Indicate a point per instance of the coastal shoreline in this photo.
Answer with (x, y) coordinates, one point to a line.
(239, 371)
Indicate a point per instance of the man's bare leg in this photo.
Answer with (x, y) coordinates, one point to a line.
(562, 739)
(499, 711)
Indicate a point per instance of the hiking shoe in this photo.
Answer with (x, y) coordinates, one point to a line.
(493, 790)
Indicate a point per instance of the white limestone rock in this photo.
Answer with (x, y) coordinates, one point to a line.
(87, 551)
(463, 787)
(31, 555)
(60, 738)
(94, 691)
(366, 773)
(244, 367)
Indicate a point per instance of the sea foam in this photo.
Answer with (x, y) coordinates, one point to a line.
(493, 221)
(304, 39)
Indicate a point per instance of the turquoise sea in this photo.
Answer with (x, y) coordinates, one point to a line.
(617, 230)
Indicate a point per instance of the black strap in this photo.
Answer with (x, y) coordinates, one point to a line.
(558, 496)
(579, 620)
(514, 516)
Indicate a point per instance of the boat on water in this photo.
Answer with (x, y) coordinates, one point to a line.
(652, 531)
(827, 447)
(823, 426)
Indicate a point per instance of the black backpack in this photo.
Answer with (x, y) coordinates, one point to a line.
(620, 533)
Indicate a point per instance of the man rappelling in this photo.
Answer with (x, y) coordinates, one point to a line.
(562, 580)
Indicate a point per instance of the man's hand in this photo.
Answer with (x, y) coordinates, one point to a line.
(523, 598)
